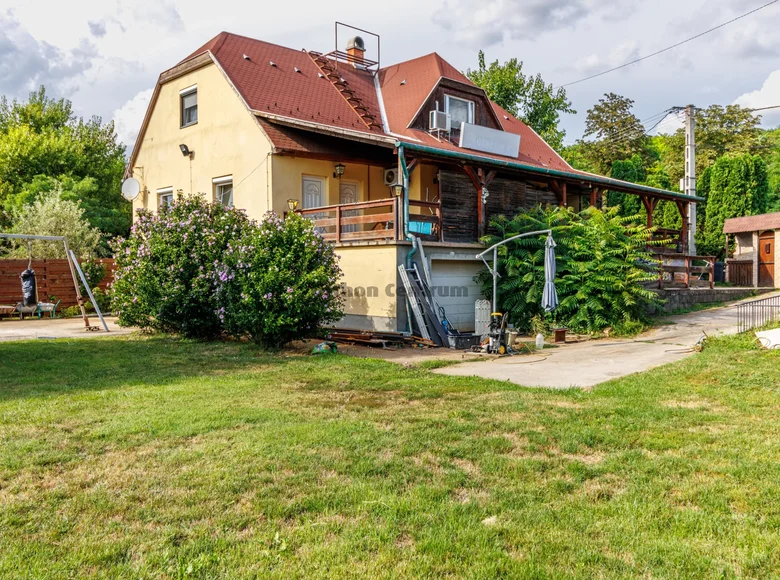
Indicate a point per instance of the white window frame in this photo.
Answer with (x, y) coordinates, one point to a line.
(220, 185)
(164, 196)
(186, 93)
(448, 98)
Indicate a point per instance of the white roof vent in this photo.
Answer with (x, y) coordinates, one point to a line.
(296, 69)
(403, 82)
(246, 57)
(272, 63)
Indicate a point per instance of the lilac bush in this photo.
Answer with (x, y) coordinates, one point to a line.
(278, 282)
(202, 270)
(165, 275)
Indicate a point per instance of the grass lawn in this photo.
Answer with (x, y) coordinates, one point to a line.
(161, 458)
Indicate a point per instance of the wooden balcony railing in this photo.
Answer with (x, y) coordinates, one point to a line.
(686, 265)
(425, 219)
(375, 220)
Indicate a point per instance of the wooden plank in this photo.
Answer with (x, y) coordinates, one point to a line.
(376, 218)
(368, 235)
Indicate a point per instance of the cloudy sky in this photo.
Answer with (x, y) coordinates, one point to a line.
(105, 55)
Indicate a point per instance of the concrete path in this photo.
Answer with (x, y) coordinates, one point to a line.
(592, 362)
(30, 329)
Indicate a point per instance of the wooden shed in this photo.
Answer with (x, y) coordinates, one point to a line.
(756, 249)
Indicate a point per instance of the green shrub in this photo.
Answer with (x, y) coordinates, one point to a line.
(94, 272)
(602, 264)
(166, 270)
(279, 282)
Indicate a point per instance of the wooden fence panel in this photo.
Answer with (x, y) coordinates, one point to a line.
(53, 279)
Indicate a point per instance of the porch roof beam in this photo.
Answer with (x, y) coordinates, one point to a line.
(573, 178)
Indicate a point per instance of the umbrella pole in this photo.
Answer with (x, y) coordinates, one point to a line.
(495, 278)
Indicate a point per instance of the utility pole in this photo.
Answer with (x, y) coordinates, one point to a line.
(690, 173)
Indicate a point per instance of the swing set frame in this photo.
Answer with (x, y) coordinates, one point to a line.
(73, 264)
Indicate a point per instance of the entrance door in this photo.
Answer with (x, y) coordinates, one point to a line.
(348, 193)
(766, 259)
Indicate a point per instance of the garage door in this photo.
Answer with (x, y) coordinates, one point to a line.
(456, 291)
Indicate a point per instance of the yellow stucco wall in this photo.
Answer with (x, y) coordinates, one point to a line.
(370, 274)
(226, 140)
(288, 173)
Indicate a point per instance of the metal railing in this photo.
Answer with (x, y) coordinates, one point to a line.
(757, 313)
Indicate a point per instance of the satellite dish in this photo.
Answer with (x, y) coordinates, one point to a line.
(131, 188)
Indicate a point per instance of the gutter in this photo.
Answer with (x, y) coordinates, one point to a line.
(606, 182)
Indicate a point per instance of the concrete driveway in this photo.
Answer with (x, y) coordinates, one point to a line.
(57, 328)
(592, 362)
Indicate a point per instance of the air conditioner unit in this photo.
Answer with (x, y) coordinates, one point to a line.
(440, 121)
(390, 176)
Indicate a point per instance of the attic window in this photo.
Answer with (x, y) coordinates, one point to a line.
(459, 110)
(189, 106)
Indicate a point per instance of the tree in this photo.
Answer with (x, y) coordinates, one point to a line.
(770, 152)
(41, 141)
(51, 215)
(627, 170)
(528, 98)
(735, 187)
(616, 133)
(720, 131)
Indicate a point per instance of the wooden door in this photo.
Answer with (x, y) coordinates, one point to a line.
(766, 259)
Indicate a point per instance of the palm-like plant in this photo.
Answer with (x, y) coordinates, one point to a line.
(602, 264)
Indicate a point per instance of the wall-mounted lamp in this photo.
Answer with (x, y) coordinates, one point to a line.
(292, 204)
(397, 189)
(339, 171)
(185, 150)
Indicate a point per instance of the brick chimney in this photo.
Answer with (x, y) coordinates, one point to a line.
(356, 48)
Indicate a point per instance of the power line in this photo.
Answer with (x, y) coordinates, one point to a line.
(636, 132)
(668, 48)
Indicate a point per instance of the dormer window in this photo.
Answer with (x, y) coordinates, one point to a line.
(459, 110)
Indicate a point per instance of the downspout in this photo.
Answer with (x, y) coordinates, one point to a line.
(407, 235)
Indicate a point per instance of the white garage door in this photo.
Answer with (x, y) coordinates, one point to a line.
(456, 291)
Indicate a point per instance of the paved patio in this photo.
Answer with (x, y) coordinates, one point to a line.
(586, 364)
(56, 328)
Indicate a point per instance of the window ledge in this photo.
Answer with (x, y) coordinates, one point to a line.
(188, 125)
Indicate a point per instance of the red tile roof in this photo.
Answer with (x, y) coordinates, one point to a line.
(752, 223)
(419, 77)
(304, 95)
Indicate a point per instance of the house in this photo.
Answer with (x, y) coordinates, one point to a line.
(269, 128)
(755, 250)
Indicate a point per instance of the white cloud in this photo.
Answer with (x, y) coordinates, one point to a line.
(128, 118)
(28, 62)
(618, 55)
(767, 96)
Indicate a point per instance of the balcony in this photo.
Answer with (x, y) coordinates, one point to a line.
(375, 220)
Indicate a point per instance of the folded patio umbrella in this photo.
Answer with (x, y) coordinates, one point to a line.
(550, 294)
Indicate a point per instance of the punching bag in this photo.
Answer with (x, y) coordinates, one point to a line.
(28, 288)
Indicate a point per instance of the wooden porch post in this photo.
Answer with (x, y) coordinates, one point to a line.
(683, 209)
(481, 182)
(565, 202)
(594, 196)
(649, 204)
